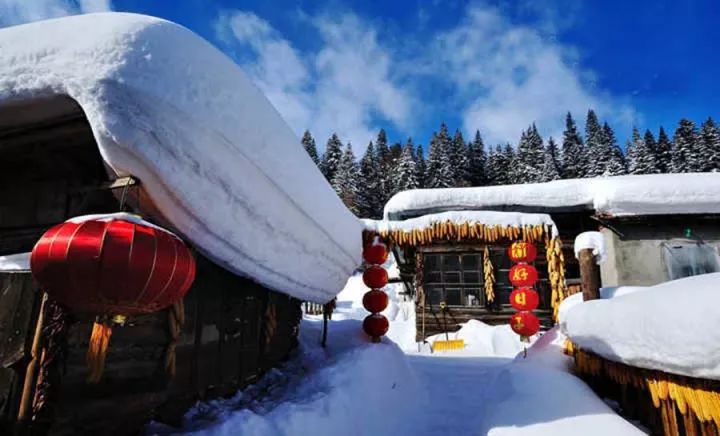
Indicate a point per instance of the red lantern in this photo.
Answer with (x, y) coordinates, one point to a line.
(375, 301)
(523, 275)
(112, 267)
(375, 277)
(525, 323)
(522, 252)
(524, 299)
(375, 325)
(375, 253)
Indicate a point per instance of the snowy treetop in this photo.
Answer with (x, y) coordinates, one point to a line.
(488, 218)
(652, 194)
(216, 158)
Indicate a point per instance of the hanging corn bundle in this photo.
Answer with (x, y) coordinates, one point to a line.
(489, 276)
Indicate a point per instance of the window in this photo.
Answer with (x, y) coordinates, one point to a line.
(685, 259)
(455, 278)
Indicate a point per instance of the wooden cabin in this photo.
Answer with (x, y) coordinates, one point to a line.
(656, 228)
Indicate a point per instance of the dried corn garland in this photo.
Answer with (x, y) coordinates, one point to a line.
(449, 231)
(697, 400)
(489, 276)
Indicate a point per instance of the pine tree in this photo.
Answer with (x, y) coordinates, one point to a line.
(440, 173)
(508, 166)
(477, 160)
(641, 158)
(406, 174)
(550, 168)
(308, 143)
(384, 163)
(331, 158)
(710, 145)
(684, 158)
(615, 161)
(495, 168)
(369, 203)
(420, 166)
(572, 151)
(663, 152)
(528, 165)
(459, 160)
(593, 164)
(344, 182)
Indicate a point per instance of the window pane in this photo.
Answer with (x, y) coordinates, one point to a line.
(472, 297)
(471, 278)
(434, 296)
(684, 260)
(452, 277)
(433, 277)
(470, 262)
(451, 262)
(453, 297)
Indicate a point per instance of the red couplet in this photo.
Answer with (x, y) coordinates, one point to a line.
(522, 251)
(524, 299)
(375, 253)
(112, 267)
(375, 325)
(375, 301)
(523, 275)
(375, 277)
(525, 323)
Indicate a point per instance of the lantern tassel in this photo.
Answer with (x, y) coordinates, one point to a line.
(97, 350)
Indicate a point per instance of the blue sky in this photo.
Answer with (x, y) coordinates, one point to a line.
(497, 66)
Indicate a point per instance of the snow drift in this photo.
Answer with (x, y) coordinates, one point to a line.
(672, 327)
(217, 160)
(653, 194)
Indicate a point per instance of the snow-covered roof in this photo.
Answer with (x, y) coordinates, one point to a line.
(487, 218)
(654, 194)
(671, 327)
(216, 158)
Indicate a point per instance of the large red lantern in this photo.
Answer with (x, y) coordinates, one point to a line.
(112, 267)
(524, 299)
(375, 277)
(375, 301)
(375, 253)
(525, 323)
(375, 326)
(522, 251)
(523, 275)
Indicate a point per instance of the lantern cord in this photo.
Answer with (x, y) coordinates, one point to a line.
(97, 350)
(176, 319)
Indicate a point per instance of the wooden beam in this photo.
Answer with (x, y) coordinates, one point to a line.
(589, 274)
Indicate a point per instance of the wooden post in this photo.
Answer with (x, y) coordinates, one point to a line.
(589, 274)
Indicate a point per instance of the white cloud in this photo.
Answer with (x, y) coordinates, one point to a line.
(24, 11)
(508, 76)
(339, 88)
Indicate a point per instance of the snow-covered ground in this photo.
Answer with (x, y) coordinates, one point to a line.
(396, 388)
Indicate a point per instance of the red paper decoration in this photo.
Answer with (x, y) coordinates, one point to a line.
(375, 253)
(523, 275)
(112, 267)
(375, 325)
(522, 252)
(524, 299)
(375, 301)
(525, 323)
(375, 277)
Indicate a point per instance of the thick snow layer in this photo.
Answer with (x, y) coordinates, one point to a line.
(15, 262)
(482, 340)
(653, 194)
(591, 241)
(672, 327)
(216, 158)
(488, 218)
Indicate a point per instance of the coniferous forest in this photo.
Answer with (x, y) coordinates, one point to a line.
(451, 160)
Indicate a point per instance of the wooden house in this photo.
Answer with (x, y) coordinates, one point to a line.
(451, 244)
(106, 125)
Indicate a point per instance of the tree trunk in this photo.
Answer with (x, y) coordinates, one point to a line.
(589, 274)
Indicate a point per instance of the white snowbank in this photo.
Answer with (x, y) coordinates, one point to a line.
(15, 262)
(591, 241)
(621, 195)
(672, 327)
(483, 340)
(488, 218)
(215, 157)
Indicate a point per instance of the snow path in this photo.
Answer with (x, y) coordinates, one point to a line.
(457, 387)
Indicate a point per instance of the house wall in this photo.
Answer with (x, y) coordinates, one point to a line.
(636, 257)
